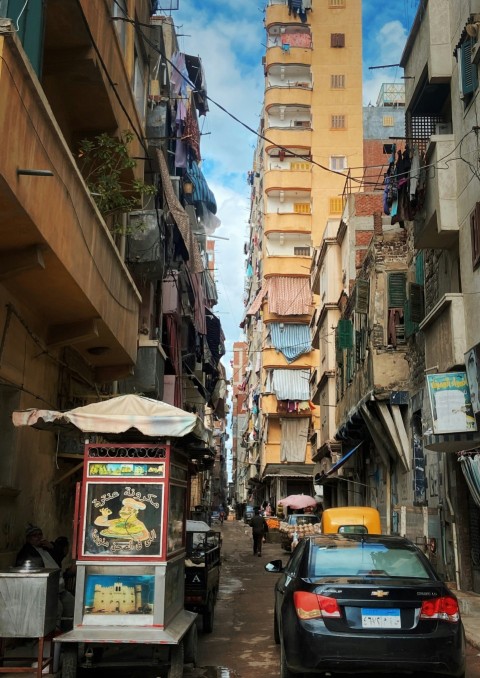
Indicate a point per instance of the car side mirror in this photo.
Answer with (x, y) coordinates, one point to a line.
(274, 566)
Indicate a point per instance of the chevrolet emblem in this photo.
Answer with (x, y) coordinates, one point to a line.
(380, 593)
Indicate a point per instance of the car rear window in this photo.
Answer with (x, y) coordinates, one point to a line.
(359, 558)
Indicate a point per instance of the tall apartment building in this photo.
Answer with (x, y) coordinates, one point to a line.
(310, 132)
(92, 305)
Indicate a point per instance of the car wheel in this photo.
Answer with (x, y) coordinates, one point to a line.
(284, 670)
(276, 632)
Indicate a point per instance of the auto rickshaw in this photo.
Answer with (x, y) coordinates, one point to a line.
(351, 519)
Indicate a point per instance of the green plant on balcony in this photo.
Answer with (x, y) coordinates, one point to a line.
(107, 167)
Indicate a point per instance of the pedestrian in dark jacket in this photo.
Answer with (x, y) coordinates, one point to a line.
(259, 530)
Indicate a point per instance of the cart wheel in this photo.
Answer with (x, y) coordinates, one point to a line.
(190, 645)
(175, 669)
(208, 616)
(69, 660)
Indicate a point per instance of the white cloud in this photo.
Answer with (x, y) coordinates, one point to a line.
(385, 49)
(230, 50)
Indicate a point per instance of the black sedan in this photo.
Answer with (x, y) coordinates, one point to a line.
(364, 603)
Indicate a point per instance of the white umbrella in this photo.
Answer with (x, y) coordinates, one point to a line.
(298, 501)
(118, 415)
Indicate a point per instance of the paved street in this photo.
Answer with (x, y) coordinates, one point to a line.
(241, 645)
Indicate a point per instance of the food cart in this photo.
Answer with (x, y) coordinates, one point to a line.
(129, 535)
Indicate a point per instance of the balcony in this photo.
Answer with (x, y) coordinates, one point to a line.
(275, 359)
(294, 55)
(289, 116)
(289, 76)
(287, 96)
(285, 202)
(74, 78)
(288, 223)
(58, 258)
(444, 332)
(290, 179)
(279, 265)
(290, 137)
(436, 226)
(428, 50)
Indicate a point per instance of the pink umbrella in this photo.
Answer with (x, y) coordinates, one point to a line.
(298, 501)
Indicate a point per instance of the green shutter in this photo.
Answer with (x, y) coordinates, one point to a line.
(338, 350)
(362, 292)
(396, 290)
(30, 18)
(468, 70)
(419, 268)
(345, 334)
(417, 302)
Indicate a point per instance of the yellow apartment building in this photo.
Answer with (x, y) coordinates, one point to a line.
(310, 135)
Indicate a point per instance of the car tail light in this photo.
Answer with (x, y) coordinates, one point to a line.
(445, 608)
(313, 606)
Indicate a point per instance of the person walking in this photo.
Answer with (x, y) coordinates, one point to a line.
(259, 530)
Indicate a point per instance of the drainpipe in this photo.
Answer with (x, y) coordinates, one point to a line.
(454, 526)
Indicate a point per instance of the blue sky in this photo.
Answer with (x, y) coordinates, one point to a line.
(229, 37)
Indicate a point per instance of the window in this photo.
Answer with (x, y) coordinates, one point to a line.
(300, 166)
(336, 3)
(336, 205)
(338, 122)
(475, 235)
(301, 208)
(468, 75)
(338, 162)
(301, 251)
(119, 13)
(337, 81)
(388, 121)
(396, 305)
(337, 40)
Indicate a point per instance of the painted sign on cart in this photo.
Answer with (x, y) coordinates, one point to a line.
(123, 519)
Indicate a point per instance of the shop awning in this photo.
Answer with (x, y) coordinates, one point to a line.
(288, 471)
(321, 477)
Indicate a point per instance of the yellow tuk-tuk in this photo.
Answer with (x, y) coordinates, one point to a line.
(351, 519)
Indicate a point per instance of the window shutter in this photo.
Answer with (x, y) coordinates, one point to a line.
(396, 290)
(417, 303)
(475, 235)
(345, 333)
(419, 268)
(362, 291)
(337, 40)
(469, 70)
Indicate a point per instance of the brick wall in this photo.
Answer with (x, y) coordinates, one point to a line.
(366, 204)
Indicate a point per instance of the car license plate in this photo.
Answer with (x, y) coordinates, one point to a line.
(374, 618)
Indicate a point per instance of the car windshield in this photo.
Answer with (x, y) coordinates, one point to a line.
(357, 558)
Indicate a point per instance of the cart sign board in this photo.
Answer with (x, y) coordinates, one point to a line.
(450, 403)
(123, 519)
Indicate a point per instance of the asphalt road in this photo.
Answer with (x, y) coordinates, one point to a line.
(241, 644)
